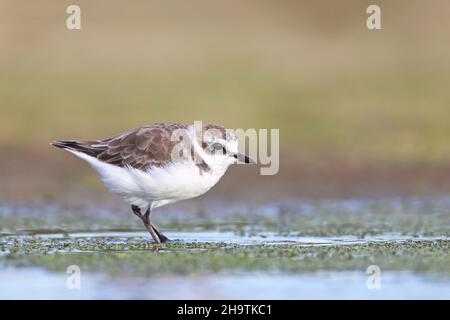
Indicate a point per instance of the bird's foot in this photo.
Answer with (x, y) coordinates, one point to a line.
(161, 236)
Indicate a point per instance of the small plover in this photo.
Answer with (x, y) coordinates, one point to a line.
(160, 164)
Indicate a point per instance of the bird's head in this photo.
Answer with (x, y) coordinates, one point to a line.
(220, 147)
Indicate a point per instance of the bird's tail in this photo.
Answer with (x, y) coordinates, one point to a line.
(91, 148)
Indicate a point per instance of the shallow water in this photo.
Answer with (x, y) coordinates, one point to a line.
(33, 282)
(39, 284)
(233, 238)
(290, 250)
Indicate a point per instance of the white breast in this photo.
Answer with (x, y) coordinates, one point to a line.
(157, 186)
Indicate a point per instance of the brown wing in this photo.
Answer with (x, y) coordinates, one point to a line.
(141, 148)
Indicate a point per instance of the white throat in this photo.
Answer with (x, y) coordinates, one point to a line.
(217, 163)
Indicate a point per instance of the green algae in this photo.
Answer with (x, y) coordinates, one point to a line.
(45, 239)
(139, 257)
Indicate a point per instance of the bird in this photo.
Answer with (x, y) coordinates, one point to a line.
(159, 164)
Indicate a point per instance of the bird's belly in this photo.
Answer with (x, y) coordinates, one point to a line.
(171, 183)
(164, 185)
(184, 182)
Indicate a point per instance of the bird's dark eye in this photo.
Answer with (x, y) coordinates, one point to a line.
(217, 146)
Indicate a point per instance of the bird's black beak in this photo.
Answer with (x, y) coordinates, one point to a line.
(241, 158)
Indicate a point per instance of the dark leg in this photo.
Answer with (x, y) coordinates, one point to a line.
(155, 233)
(160, 235)
(137, 211)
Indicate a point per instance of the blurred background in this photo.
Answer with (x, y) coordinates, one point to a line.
(360, 112)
